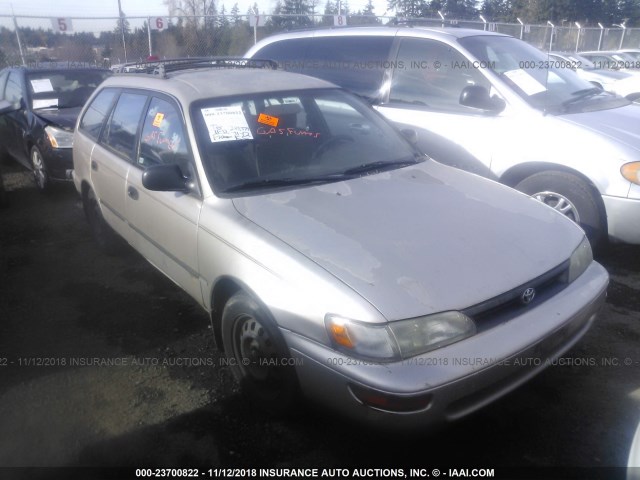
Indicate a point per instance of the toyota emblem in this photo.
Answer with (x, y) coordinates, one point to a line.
(527, 296)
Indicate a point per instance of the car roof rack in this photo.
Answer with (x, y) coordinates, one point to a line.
(162, 67)
(421, 22)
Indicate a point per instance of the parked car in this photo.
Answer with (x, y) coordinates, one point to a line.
(624, 84)
(333, 257)
(613, 60)
(38, 129)
(538, 128)
(633, 52)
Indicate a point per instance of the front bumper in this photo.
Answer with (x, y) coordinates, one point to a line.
(623, 219)
(462, 377)
(59, 161)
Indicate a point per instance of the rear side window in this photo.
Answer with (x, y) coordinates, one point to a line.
(93, 119)
(289, 54)
(120, 133)
(356, 63)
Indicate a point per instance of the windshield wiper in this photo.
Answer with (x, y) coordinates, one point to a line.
(382, 165)
(283, 182)
(582, 94)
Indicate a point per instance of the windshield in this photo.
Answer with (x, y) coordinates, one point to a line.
(63, 88)
(283, 139)
(531, 73)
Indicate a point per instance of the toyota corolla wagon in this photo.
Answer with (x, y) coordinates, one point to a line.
(335, 259)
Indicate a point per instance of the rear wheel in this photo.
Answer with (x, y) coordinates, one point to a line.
(571, 196)
(258, 355)
(40, 175)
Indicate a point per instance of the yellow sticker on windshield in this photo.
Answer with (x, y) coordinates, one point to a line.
(268, 120)
(157, 121)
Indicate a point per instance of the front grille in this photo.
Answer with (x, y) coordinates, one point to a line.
(509, 305)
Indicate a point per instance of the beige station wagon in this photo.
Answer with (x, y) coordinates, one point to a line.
(335, 259)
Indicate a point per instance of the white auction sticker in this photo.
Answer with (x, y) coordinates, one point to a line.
(525, 81)
(45, 103)
(226, 124)
(41, 85)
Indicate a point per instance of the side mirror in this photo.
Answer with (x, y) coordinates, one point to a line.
(475, 96)
(165, 178)
(8, 107)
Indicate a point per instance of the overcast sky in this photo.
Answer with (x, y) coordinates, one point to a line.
(132, 8)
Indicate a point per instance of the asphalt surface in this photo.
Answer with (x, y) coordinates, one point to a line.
(105, 362)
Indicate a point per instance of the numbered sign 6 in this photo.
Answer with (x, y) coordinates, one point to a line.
(159, 23)
(61, 25)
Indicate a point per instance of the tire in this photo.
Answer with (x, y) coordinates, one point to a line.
(103, 234)
(572, 196)
(40, 175)
(255, 351)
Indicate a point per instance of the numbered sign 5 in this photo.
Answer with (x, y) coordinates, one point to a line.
(61, 25)
(159, 23)
(339, 20)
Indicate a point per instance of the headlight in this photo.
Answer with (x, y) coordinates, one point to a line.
(401, 339)
(59, 138)
(581, 258)
(631, 171)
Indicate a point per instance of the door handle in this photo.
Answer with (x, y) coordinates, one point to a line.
(94, 165)
(132, 192)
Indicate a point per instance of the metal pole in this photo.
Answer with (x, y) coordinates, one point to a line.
(124, 45)
(601, 33)
(578, 39)
(149, 33)
(521, 28)
(15, 24)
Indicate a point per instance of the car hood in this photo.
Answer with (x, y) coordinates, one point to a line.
(64, 117)
(621, 124)
(420, 239)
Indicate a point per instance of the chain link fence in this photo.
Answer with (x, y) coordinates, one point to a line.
(106, 41)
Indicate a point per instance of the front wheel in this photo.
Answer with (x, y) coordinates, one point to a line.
(40, 175)
(258, 356)
(571, 196)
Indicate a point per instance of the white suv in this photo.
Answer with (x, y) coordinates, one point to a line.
(538, 128)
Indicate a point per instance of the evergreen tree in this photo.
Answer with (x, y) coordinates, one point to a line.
(409, 8)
